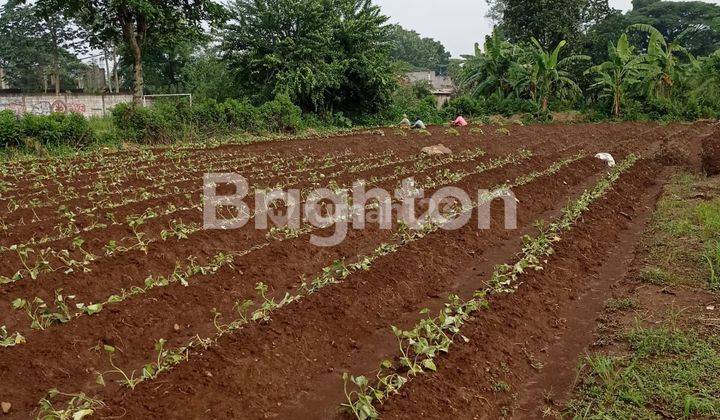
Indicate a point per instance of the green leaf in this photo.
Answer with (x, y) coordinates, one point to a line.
(429, 364)
(19, 303)
(109, 349)
(81, 414)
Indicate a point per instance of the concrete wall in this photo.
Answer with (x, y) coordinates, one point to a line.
(44, 104)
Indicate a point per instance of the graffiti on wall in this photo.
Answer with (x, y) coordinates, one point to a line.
(18, 107)
(40, 104)
(42, 107)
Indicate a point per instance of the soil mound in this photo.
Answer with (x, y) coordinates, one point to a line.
(711, 154)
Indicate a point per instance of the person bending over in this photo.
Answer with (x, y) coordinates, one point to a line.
(459, 121)
(418, 125)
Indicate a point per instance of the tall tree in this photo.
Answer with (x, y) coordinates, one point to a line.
(139, 22)
(418, 52)
(549, 21)
(324, 54)
(35, 44)
(673, 18)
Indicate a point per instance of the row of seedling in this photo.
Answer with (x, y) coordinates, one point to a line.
(429, 339)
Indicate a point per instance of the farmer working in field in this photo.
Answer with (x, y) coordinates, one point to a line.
(418, 125)
(459, 121)
(405, 121)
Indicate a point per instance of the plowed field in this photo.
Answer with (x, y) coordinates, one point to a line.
(115, 301)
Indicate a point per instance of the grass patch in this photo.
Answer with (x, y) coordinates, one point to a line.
(708, 215)
(617, 305)
(683, 240)
(657, 276)
(668, 373)
(712, 262)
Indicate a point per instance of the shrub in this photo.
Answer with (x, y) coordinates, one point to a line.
(10, 131)
(241, 115)
(57, 129)
(145, 125)
(465, 105)
(281, 115)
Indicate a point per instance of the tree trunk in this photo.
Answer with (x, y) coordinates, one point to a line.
(108, 80)
(545, 103)
(56, 57)
(616, 104)
(115, 70)
(134, 44)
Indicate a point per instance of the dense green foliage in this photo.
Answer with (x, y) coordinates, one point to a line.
(139, 23)
(644, 76)
(48, 130)
(34, 48)
(281, 65)
(326, 55)
(548, 21)
(416, 52)
(167, 122)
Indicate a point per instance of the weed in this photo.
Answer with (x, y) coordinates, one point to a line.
(500, 386)
(452, 132)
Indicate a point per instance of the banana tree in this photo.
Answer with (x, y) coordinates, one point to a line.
(486, 71)
(664, 55)
(623, 70)
(553, 80)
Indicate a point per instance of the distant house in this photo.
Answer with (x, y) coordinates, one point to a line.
(442, 86)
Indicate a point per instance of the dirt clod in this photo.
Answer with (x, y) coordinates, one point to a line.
(438, 149)
(6, 407)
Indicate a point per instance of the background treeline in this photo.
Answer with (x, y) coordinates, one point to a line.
(283, 65)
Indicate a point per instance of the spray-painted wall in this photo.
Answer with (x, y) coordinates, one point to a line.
(42, 104)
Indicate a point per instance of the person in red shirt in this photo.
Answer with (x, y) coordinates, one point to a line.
(459, 121)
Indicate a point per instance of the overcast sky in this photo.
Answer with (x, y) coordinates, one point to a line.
(458, 24)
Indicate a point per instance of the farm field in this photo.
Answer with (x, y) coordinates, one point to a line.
(115, 302)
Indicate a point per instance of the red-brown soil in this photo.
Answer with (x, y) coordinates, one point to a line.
(711, 153)
(291, 367)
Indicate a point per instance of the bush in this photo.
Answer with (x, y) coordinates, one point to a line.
(10, 131)
(53, 130)
(166, 122)
(465, 105)
(280, 114)
(146, 125)
(242, 115)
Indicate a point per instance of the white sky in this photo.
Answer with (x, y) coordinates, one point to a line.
(458, 24)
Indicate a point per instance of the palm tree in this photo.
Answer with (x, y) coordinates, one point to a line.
(550, 72)
(665, 56)
(623, 70)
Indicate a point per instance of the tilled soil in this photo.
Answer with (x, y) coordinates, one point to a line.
(291, 367)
